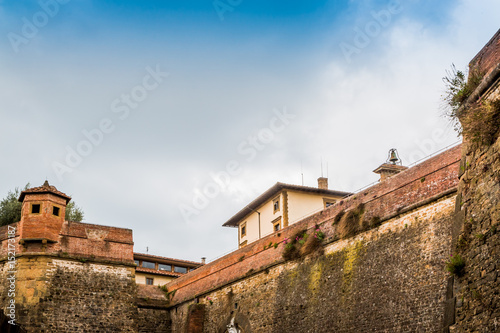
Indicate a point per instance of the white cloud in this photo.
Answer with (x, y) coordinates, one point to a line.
(347, 114)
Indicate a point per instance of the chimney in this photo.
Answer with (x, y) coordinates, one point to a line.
(323, 183)
(203, 260)
(391, 167)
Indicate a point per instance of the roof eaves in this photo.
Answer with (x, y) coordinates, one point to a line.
(252, 206)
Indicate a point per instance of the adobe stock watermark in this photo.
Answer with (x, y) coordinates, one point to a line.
(224, 6)
(10, 312)
(122, 107)
(30, 28)
(371, 30)
(248, 149)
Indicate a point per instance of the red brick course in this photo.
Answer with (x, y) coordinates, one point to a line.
(487, 59)
(50, 234)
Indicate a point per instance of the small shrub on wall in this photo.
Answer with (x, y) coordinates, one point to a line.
(481, 121)
(351, 222)
(456, 265)
(302, 244)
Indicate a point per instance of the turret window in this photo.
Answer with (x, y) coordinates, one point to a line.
(56, 211)
(35, 208)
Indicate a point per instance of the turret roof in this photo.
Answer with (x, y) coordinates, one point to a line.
(45, 188)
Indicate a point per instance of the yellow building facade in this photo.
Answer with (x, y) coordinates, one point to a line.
(280, 206)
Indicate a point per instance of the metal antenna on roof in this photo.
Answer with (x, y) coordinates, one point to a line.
(147, 249)
(322, 166)
(302, 172)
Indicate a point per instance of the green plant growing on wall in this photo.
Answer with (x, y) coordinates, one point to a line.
(375, 221)
(477, 120)
(456, 265)
(338, 217)
(480, 122)
(292, 246)
(168, 294)
(462, 242)
(351, 223)
(313, 243)
(459, 85)
(291, 252)
(303, 244)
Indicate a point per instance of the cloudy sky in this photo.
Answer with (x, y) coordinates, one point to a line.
(168, 117)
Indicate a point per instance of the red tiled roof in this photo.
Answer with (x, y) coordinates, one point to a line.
(45, 188)
(157, 272)
(180, 261)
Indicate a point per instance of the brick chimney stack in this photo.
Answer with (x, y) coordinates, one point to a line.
(323, 183)
(203, 260)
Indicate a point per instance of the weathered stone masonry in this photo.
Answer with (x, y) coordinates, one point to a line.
(390, 278)
(70, 276)
(475, 296)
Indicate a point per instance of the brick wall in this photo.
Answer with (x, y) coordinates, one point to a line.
(423, 182)
(70, 276)
(80, 240)
(388, 279)
(487, 59)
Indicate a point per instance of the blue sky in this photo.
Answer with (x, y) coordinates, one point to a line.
(218, 84)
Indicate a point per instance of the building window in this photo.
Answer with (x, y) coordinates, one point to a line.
(328, 202)
(182, 270)
(163, 267)
(243, 244)
(276, 204)
(149, 281)
(243, 229)
(148, 264)
(35, 208)
(137, 262)
(55, 211)
(277, 224)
